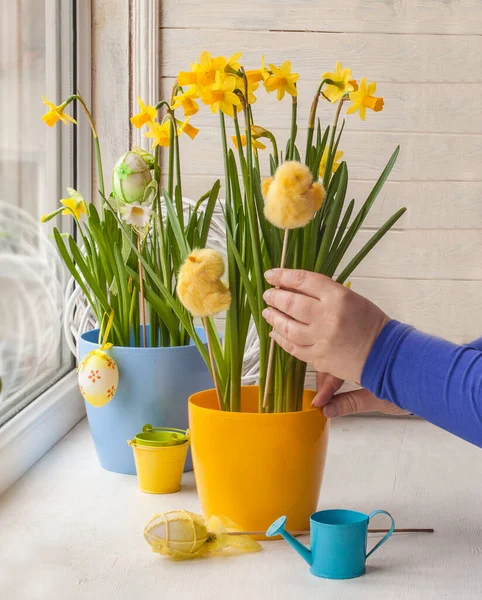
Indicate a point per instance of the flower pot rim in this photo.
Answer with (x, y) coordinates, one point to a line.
(200, 331)
(228, 414)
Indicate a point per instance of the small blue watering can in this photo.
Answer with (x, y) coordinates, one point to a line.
(338, 542)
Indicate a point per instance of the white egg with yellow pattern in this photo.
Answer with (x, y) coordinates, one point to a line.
(98, 378)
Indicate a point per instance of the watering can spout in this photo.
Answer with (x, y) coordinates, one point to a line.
(278, 528)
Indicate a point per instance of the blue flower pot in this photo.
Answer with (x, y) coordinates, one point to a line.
(154, 387)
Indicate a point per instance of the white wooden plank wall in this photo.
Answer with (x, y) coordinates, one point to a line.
(427, 60)
(110, 82)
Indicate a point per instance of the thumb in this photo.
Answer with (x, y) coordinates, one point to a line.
(359, 401)
(326, 387)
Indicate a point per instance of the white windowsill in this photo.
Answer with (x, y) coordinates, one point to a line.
(72, 530)
(33, 431)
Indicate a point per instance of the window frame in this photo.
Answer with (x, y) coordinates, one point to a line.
(32, 432)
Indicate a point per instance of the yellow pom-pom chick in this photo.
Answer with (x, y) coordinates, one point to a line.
(199, 286)
(291, 196)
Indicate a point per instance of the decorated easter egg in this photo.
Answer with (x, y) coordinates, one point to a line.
(177, 533)
(98, 378)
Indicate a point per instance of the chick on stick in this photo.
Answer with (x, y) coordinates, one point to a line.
(202, 292)
(291, 201)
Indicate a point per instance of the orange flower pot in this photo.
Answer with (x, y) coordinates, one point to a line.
(252, 467)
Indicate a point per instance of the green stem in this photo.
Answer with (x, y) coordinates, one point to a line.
(257, 252)
(160, 225)
(329, 157)
(161, 104)
(311, 122)
(294, 108)
(170, 171)
(178, 198)
(225, 156)
(240, 145)
(275, 150)
(231, 338)
(98, 157)
(251, 120)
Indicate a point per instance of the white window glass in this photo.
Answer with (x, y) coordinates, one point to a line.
(36, 58)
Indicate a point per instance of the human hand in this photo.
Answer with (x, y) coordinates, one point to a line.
(326, 388)
(322, 322)
(348, 403)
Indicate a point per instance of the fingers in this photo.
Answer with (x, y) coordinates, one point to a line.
(295, 305)
(350, 403)
(292, 330)
(300, 352)
(326, 385)
(304, 282)
(359, 401)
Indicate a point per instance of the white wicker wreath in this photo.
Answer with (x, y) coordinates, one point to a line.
(79, 317)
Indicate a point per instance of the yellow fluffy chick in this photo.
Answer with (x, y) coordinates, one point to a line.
(199, 286)
(291, 196)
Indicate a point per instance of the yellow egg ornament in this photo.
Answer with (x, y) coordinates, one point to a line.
(182, 535)
(98, 378)
(98, 374)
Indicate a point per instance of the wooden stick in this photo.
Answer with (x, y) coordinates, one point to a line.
(213, 364)
(269, 370)
(141, 287)
(306, 531)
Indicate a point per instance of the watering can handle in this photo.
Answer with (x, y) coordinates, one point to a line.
(387, 535)
(148, 428)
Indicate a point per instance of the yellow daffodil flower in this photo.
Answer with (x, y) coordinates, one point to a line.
(257, 145)
(147, 114)
(252, 87)
(75, 207)
(203, 73)
(282, 80)
(336, 163)
(254, 76)
(208, 68)
(265, 72)
(188, 129)
(187, 78)
(186, 100)
(56, 113)
(233, 61)
(341, 83)
(221, 96)
(363, 98)
(161, 134)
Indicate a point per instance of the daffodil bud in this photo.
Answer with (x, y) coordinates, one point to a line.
(130, 178)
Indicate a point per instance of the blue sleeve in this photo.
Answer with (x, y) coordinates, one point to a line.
(430, 377)
(476, 344)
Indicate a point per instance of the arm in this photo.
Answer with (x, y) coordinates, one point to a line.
(432, 378)
(476, 344)
(342, 333)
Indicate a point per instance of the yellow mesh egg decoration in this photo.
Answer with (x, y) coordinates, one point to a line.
(183, 535)
(177, 533)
